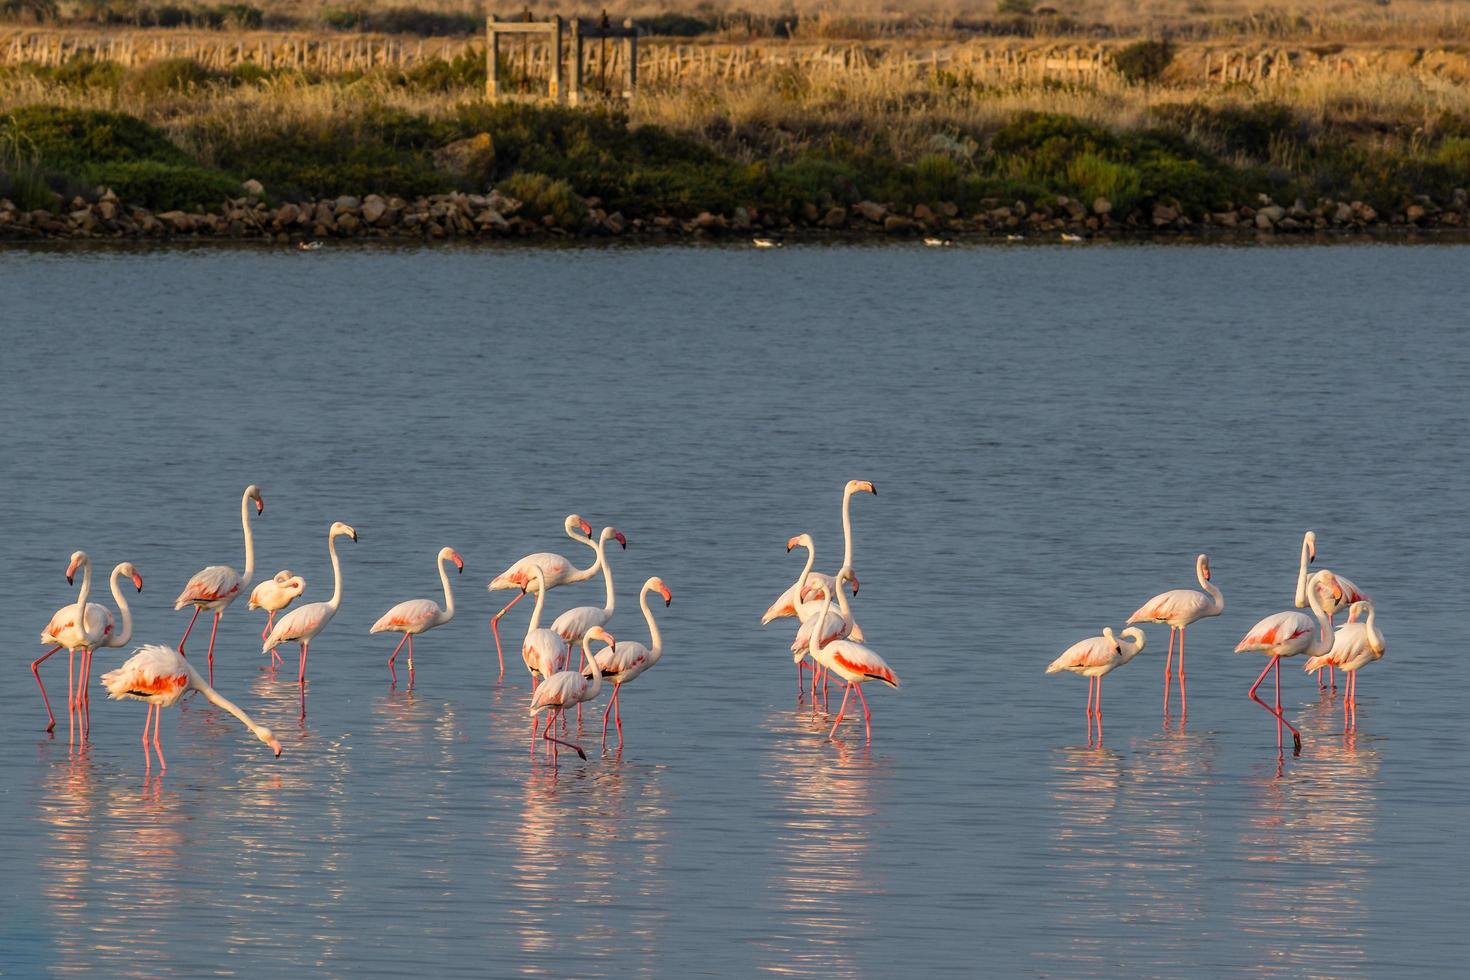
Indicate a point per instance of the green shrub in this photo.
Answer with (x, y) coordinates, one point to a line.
(165, 186)
(1144, 61)
(85, 72)
(1091, 176)
(22, 179)
(70, 139)
(540, 195)
(936, 177)
(169, 76)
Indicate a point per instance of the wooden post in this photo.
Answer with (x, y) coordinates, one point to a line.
(492, 58)
(576, 98)
(632, 58)
(558, 75)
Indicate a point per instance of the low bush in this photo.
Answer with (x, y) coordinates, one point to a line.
(165, 186)
(541, 195)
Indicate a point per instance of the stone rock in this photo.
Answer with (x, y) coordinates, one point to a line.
(1459, 199)
(615, 222)
(1225, 219)
(1343, 214)
(1415, 213)
(1288, 224)
(107, 209)
(709, 222)
(468, 159)
(742, 219)
(923, 214)
(177, 220)
(346, 204)
(1164, 215)
(1365, 212)
(323, 213)
(1271, 212)
(253, 188)
(870, 211)
(810, 214)
(1264, 222)
(834, 218)
(373, 210)
(288, 214)
(897, 224)
(949, 209)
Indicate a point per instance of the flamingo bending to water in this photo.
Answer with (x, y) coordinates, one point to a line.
(623, 663)
(217, 586)
(1177, 608)
(303, 623)
(785, 604)
(417, 615)
(565, 688)
(96, 630)
(1287, 634)
(851, 661)
(160, 675)
(1337, 593)
(273, 595)
(1094, 658)
(1355, 645)
(555, 570)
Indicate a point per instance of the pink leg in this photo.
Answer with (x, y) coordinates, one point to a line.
(147, 722)
(1091, 686)
(571, 745)
(1297, 736)
(618, 714)
(301, 671)
(36, 670)
(85, 694)
(270, 620)
(495, 628)
(212, 633)
(394, 654)
(1097, 708)
(1168, 663)
(410, 661)
(188, 630)
(1347, 700)
(618, 687)
(1183, 690)
(840, 711)
(157, 745)
(867, 718)
(799, 691)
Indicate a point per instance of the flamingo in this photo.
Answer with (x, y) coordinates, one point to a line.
(1354, 646)
(96, 631)
(565, 688)
(303, 623)
(160, 676)
(785, 604)
(217, 586)
(1178, 608)
(852, 661)
(573, 624)
(273, 595)
(1094, 658)
(1287, 634)
(1338, 593)
(544, 651)
(556, 570)
(842, 627)
(621, 664)
(807, 575)
(417, 615)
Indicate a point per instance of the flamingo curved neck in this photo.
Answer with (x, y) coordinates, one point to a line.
(539, 582)
(82, 594)
(655, 639)
(847, 526)
(336, 599)
(1301, 575)
(1215, 594)
(583, 574)
(249, 541)
(1375, 638)
(814, 644)
(125, 631)
(219, 700)
(607, 578)
(806, 571)
(1322, 641)
(842, 603)
(594, 683)
(448, 612)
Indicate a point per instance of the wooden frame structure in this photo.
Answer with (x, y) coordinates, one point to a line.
(551, 32)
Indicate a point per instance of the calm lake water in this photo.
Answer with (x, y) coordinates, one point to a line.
(1054, 433)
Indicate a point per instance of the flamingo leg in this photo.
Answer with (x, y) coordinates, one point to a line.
(1183, 690)
(868, 718)
(410, 661)
(158, 745)
(36, 670)
(269, 621)
(495, 628)
(301, 671)
(1168, 663)
(1091, 686)
(147, 722)
(394, 654)
(614, 700)
(188, 630)
(212, 634)
(1347, 700)
(1297, 736)
(84, 694)
(618, 713)
(571, 745)
(841, 710)
(799, 690)
(1097, 709)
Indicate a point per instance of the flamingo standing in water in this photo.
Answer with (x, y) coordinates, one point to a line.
(785, 604)
(1337, 593)
(1354, 646)
(417, 615)
(273, 595)
(544, 651)
(840, 626)
(160, 676)
(96, 630)
(621, 664)
(1287, 634)
(807, 591)
(573, 624)
(303, 623)
(555, 569)
(1094, 658)
(1178, 608)
(565, 688)
(850, 660)
(217, 586)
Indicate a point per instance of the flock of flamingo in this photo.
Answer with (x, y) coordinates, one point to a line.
(1348, 648)
(567, 672)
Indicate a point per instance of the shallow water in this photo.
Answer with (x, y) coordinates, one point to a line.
(1055, 433)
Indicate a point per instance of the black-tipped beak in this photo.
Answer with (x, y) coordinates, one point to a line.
(875, 489)
(788, 551)
(68, 580)
(140, 588)
(260, 507)
(354, 537)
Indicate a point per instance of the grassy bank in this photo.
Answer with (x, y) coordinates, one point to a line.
(793, 147)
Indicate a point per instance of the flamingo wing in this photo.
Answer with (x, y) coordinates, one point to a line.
(560, 689)
(785, 604)
(301, 623)
(858, 663)
(573, 624)
(1290, 630)
(1176, 604)
(62, 629)
(545, 652)
(1095, 651)
(838, 628)
(622, 664)
(209, 585)
(412, 616)
(554, 569)
(154, 673)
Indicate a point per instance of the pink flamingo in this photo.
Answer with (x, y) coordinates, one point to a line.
(840, 626)
(785, 604)
(417, 615)
(1094, 658)
(97, 630)
(565, 688)
(160, 675)
(1178, 608)
(273, 595)
(1337, 593)
(807, 592)
(217, 586)
(556, 570)
(1354, 646)
(544, 651)
(1287, 634)
(303, 623)
(621, 664)
(851, 661)
(573, 624)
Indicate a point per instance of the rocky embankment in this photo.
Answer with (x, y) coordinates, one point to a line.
(487, 216)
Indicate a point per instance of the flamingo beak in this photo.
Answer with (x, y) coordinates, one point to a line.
(138, 581)
(866, 485)
(854, 585)
(354, 535)
(668, 596)
(792, 542)
(275, 747)
(458, 562)
(586, 528)
(260, 509)
(71, 570)
(621, 540)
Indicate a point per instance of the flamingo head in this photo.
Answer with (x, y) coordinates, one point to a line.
(575, 523)
(294, 585)
(860, 486)
(1311, 543)
(598, 633)
(663, 590)
(127, 569)
(269, 738)
(253, 493)
(282, 577)
(804, 540)
(338, 529)
(1358, 610)
(450, 554)
(1112, 640)
(612, 532)
(848, 575)
(534, 577)
(78, 558)
(1203, 563)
